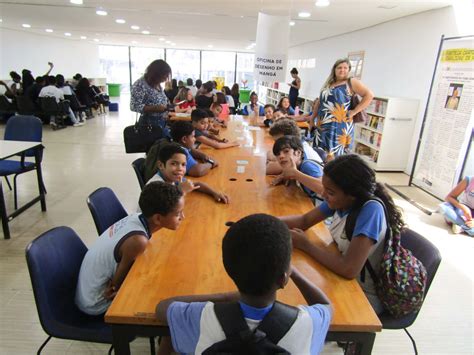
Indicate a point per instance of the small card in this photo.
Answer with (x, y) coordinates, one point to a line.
(242, 162)
(253, 128)
(240, 169)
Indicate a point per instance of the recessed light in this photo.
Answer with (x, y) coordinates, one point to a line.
(67, 34)
(168, 42)
(304, 14)
(120, 20)
(241, 16)
(146, 32)
(173, 44)
(96, 40)
(322, 3)
(292, 23)
(25, 25)
(49, 30)
(210, 46)
(83, 37)
(161, 39)
(76, 2)
(101, 12)
(134, 42)
(135, 27)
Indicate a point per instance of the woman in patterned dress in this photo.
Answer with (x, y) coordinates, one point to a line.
(332, 114)
(148, 98)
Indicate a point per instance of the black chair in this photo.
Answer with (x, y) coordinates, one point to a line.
(139, 167)
(21, 128)
(76, 106)
(105, 208)
(7, 108)
(51, 107)
(429, 255)
(25, 106)
(54, 260)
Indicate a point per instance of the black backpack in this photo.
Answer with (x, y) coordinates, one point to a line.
(241, 340)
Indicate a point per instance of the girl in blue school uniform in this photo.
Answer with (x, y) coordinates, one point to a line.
(349, 184)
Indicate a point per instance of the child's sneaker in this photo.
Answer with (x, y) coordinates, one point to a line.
(78, 124)
(456, 229)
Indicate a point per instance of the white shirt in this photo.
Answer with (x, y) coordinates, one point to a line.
(51, 91)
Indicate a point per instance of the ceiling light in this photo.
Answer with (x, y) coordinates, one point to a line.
(292, 23)
(210, 46)
(83, 37)
(67, 34)
(120, 20)
(25, 25)
(135, 27)
(322, 3)
(161, 39)
(168, 42)
(76, 2)
(134, 42)
(96, 40)
(253, 44)
(101, 12)
(173, 44)
(304, 14)
(146, 32)
(49, 30)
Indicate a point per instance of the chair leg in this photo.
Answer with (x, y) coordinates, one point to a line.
(110, 350)
(8, 182)
(43, 345)
(412, 341)
(15, 197)
(152, 346)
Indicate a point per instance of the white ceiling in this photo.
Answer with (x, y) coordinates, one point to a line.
(222, 24)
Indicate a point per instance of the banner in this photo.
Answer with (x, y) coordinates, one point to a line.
(271, 50)
(449, 119)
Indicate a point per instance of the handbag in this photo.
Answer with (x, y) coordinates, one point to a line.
(360, 117)
(139, 138)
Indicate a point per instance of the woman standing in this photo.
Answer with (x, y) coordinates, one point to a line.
(148, 98)
(294, 87)
(235, 93)
(333, 112)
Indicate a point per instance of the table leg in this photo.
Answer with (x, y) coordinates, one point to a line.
(39, 175)
(120, 339)
(366, 344)
(3, 213)
(364, 340)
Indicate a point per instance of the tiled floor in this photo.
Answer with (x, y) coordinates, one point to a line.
(79, 160)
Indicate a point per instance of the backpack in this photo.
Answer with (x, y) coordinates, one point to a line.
(151, 166)
(241, 340)
(402, 281)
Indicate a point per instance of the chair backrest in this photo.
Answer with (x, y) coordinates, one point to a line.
(25, 105)
(139, 167)
(6, 105)
(105, 208)
(50, 106)
(24, 128)
(54, 260)
(74, 102)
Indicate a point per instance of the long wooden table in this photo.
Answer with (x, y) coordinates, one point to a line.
(189, 261)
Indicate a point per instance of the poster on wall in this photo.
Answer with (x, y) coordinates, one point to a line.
(448, 120)
(271, 49)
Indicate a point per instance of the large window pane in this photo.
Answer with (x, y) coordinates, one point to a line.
(184, 63)
(245, 63)
(113, 61)
(218, 64)
(142, 57)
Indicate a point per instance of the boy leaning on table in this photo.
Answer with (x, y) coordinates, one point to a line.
(107, 262)
(256, 253)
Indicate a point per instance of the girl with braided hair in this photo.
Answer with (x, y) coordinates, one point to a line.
(350, 187)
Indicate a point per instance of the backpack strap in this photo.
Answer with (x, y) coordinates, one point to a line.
(231, 318)
(278, 321)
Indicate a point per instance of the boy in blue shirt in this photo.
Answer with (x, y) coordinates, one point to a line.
(256, 253)
(200, 122)
(182, 132)
(253, 108)
(290, 154)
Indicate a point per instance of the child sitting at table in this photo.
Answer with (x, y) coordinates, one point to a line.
(221, 101)
(107, 262)
(268, 111)
(284, 107)
(200, 122)
(184, 101)
(459, 213)
(256, 252)
(288, 127)
(172, 168)
(253, 108)
(182, 132)
(295, 166)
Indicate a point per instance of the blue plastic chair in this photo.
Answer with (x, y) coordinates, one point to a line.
(105, 208)
(429, 255)
(22, 128)
(54, 260)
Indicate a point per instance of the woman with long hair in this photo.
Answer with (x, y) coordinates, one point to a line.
(349, 184)
(295, 86)
(234, 91)
(333, 114)
(184, 101)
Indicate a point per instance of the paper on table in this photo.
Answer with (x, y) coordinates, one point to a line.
(240, 169)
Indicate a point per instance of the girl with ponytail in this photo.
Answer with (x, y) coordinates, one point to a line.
(349, 185)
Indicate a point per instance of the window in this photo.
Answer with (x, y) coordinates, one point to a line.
(142, 57)
(113, 62)
(184, 63)
(218, 65)
(245, 62)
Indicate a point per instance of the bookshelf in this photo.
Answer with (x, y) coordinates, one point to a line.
(272, 96)
(384, 140)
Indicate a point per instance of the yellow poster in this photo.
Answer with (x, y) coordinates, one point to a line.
(457, 55)
(220, 80)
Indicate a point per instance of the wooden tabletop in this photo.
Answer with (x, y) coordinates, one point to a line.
(189, 260)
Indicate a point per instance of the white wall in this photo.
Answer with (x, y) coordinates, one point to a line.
(21, 50)
(399, 58)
